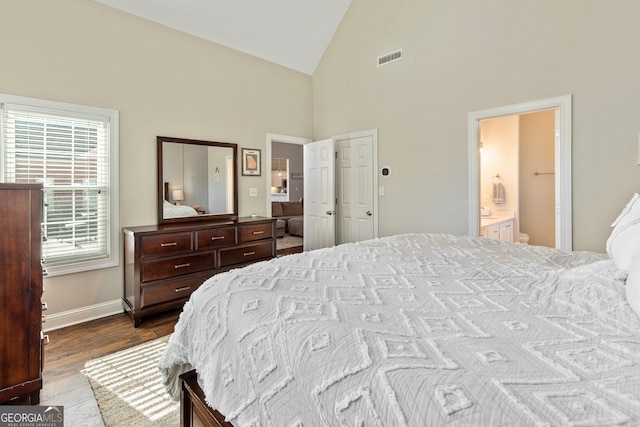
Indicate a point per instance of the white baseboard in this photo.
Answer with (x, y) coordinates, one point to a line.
(81, 315)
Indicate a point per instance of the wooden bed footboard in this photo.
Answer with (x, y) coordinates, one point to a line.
(194, 411)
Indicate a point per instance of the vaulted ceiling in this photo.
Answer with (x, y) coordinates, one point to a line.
(292, 33)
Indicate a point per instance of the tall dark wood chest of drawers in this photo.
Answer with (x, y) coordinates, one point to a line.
(164, 264)
(21, 293)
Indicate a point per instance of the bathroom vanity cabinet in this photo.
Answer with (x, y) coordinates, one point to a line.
(497, 228)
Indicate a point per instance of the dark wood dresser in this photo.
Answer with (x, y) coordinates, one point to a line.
(21, 339)
(164, 264)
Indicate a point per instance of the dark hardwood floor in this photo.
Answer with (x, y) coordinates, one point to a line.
(69, 348)
(289, 251)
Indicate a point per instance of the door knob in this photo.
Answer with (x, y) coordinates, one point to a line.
(331, 212)
(369, 213)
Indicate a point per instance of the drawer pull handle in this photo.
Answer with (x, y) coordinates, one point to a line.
(217, 238)
(186, 264)
(258, 232)
(249, 253)
(164, 245)
(184, 288)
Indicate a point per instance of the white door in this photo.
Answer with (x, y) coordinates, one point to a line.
(355, 188)
(319, 194)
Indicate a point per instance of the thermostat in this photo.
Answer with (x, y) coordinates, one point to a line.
(385, 171)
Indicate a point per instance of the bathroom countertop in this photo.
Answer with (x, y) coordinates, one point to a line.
(486, 221)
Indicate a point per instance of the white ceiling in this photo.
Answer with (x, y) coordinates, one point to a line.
(292, 33)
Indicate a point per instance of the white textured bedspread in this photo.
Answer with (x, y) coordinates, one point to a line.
(415, 330)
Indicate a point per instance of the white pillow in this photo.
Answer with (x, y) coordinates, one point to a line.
(624, 215)
(624, 242)
(633, 285)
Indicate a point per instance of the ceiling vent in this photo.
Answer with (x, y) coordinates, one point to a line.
(390, 57)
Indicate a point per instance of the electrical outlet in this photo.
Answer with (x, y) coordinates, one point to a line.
(380, 191)
(486, 197)
(253, 192)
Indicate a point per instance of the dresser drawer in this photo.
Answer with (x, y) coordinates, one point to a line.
(249, 233)
(164, 263)
(171, 267)
(166, 291)
(166, 243)
(216, 237)
(246, 253)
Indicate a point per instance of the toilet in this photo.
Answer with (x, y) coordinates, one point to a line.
(524, 238)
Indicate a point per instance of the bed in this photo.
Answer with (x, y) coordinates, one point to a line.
(414, 330)
(170, 210)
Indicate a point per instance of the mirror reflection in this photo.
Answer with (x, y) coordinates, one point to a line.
(197, 179)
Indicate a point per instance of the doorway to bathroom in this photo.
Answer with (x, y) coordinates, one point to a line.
(517, 171)
(520, 172)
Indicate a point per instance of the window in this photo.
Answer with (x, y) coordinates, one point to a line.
(72, 151)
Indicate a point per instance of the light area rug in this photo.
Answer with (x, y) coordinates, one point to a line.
(288, 241)
(129, 390)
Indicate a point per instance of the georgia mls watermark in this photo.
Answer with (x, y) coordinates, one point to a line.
(31, 416)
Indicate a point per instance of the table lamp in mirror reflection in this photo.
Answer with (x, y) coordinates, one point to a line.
(177, 196)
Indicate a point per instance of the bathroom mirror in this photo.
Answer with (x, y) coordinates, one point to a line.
(197, 180)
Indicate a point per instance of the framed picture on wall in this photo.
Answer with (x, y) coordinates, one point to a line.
(251, 162)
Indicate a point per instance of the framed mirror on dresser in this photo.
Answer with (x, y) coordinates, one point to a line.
(199, 233)
(197, 180)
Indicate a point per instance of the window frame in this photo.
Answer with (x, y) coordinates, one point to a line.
(80, 111)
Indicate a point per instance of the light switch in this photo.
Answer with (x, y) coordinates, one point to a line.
(253, 192)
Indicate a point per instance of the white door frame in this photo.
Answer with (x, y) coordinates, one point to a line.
(271, 138)
(564, 236)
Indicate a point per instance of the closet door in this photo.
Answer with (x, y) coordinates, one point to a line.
(356, 208)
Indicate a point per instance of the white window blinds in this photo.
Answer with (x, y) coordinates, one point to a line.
(69, 153)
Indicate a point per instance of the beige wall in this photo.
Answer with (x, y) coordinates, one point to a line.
(462, 56)
(163, 82)
(500, 137)
(537, 192)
